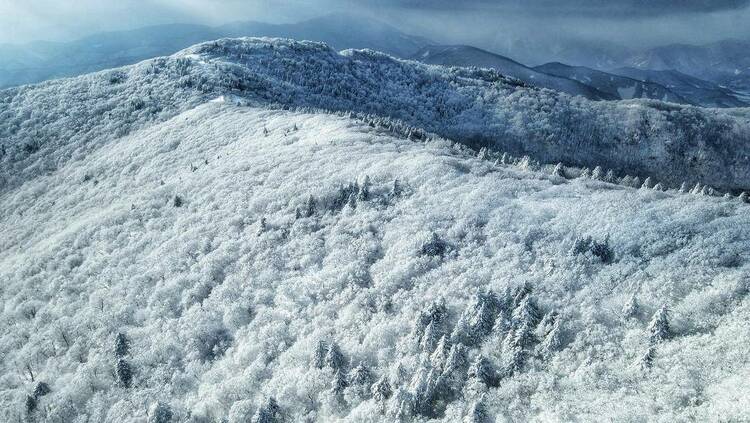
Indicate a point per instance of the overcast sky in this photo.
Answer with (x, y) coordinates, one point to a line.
(482, 22)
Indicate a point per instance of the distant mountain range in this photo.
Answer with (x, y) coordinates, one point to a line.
(715, 75)
(39, 61)
(466, 56)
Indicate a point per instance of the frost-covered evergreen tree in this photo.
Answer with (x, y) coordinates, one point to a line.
(684, 188)
(364, 190)
(648, 183)
(552, 341)
(396, 189)
(310, 206)
(339, 383)
(319, 354)
(422, 388)
(439, 356)
(432, 334)
(401, 405)
(585, 173)
(597, 173)
(477, 413)
(744, 197)
(603, 251)
(160, 413)
(360, 375)
(658, 328)
(525, 312)
(559, 170)
(122, 345)
(124, 372)
(381, 390)
(41, 389)
(334, 357)
(270, 412)
(647, 359)
(482, 371)
(631, 308)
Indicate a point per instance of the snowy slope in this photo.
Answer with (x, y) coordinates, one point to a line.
(698, 91)
(667, 142)
(196, 238)
(467, 56)
(621, 87)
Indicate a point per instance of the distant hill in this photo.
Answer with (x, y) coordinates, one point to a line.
(695, 90)
(39, 61)
(622, 87)
(468, 56)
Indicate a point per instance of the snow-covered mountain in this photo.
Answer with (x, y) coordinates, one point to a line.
(40, 61)
(621, 87)
(696, 90)
(180, 242)
(478, 107)
(467, 56)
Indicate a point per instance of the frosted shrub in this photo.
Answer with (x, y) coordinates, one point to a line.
(435, 247)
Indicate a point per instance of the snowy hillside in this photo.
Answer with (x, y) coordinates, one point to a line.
(667, 142)
(240, 263)
(620, 87)
(467, 56)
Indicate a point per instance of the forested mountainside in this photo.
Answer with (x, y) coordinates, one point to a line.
(234, 262)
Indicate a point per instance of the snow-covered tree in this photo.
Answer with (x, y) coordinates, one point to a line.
(310, 206)
(559, 170)
(482, 371)
(124, 372)
(435, 247)
(400, 405)
(432, 334)
(552, 341)
(319, 354)
(477, 413)
(597, 173)
(647, 359)
(270, 412)
(381, 390)
(648, 183)
(122, 345)
(744, 197)
(631, 308)
(364, 190)
(439, 356)
(339, 383)
(525, 312)
(658, 328)
(160, 413)
(334, 357)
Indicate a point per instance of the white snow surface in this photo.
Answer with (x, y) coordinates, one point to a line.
(223, 310)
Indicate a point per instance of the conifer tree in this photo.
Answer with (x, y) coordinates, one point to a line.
(122, 345)
(683, 188)
(396, 189)
(439, 357)
(647, 359)
(597, 173)
(381, 391)
(339, 383)
(659, 327)
(124, 372)
(364, 190)
(552, 341)
(525, 312)
(334, 357)
(270, 412)
(631, 308)
(430, 337)
(585, 173)
(744, 197)
(610, 177)
(401, 405)
(360, 375)
(559, 170)
(481, 370)
(310, 206)
(477, 413)
(319, 354)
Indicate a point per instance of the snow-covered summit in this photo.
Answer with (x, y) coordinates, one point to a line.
(479, 107)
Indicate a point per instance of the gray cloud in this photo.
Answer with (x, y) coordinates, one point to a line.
(583, 8)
